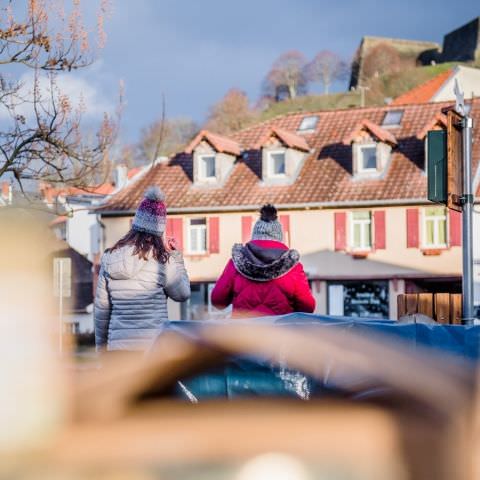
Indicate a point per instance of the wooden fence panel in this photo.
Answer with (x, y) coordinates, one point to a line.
(445, 308)
(411, 303)
(442, 307)
(425, 304)
(456, 308)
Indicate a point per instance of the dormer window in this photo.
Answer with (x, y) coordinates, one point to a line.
(371, 148)
(283, 154)
(207, 168)
(276, 164)
(213, 158)
(367, 158)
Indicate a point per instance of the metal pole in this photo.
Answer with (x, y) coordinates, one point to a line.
(467, 223)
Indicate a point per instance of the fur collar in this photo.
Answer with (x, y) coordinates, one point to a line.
(253, 268)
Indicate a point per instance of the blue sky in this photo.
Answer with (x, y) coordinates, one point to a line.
(194, 51)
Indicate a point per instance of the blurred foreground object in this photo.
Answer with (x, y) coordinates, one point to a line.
(396, 413)
(379, 410)
(31, 405)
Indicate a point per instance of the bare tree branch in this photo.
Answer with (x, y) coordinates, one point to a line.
(161, 133)
(41, 136)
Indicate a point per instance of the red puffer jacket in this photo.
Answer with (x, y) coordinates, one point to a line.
(263, 277)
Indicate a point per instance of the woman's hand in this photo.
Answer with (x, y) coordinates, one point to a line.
(171, 244)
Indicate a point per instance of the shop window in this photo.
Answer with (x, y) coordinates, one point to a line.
(197, 236)
(367, 299)
(435, 227)
(361, 231)
(335, 300)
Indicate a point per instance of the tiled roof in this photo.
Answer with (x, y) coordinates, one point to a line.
(439, 120)
(424, 92)
(49, 192)
(133, 171)
(378, 132)
(326, 175)
(289, 139)
(220, 143)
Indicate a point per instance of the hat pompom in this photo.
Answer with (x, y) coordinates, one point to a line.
(268, 213)
(155, 193)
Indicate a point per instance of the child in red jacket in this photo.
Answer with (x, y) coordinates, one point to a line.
(263, 276)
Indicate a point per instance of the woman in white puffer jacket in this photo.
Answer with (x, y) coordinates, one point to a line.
(137, 276)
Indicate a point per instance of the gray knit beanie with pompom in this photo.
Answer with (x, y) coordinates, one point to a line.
(268, 227)
(151, 214)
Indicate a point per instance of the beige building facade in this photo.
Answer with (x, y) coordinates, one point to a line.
(350, 187)
(312, 233)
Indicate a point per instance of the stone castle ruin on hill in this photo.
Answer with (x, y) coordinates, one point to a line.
(460, 45)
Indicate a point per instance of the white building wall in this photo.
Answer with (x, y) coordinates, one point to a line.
(80, 228)
(468, 79)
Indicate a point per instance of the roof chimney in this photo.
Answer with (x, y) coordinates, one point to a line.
(7, 192)
(121, 176)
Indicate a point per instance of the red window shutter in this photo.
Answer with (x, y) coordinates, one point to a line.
(174, 229)
(246, 229)
(214, 235)
(169, 227)
(412, 228)
(285, 221)
(340, 231)
(455, 228)
(379, 226)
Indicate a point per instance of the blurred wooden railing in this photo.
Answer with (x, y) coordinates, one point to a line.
(445, 308)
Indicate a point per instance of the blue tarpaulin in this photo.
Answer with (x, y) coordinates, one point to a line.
(247, 376)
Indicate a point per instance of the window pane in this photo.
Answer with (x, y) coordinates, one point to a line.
(361, 215)
(308, 123)
(430, 240)
(367, 235)
(203, 239)
(278, 163)
(193, 240)
(208, 166)
(369, 158)
(198, 221)
(442, 232)
(393, 118)
(357, 240)
(435, 212)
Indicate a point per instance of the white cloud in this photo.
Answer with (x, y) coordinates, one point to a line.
(80, 90)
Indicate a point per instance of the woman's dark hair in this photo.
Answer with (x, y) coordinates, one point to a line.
(144, 243)
(268, 213)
